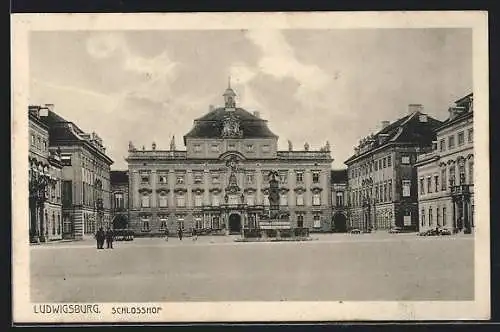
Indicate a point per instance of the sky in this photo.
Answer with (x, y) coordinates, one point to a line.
(311, 85)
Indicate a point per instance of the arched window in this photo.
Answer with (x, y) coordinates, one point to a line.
(283, 199)
(300, 199)
(316, 199)
(422, 217)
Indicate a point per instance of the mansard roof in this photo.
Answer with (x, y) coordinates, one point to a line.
(210, 125)
(406, 130)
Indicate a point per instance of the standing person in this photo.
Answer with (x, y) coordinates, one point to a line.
(180, 234)
(99, 236)
(109, 239)
(195, 234)
(166, 234)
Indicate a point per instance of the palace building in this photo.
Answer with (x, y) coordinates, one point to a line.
(220, 182)
(382, 178)
(446, 175)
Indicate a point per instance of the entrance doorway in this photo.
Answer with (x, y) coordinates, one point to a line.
(234, 223)
(339, 223)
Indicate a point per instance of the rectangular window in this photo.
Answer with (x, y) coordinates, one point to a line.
(470, 134)
(283, 177)
(452, 176)
(33, 140)
(384, 165)
(145, 201)
(406, 188)
(389, 161)
(461, 138)
(300, 220)
(215, 200)
(422, 188)
(385, 192)
(405, 160)
(179, 179)
(214, 148)
(198, 200)
(316, 199)
(376, 165)
(451, 142)
(422, 217)
(145, 224)
(283, 200)
(380, 164)
(66, 160)
(340, 199)
(442, 145)
(390, 190)
(299, 177)
(315, 177)
(444, 216)
(118, 200)
(317, 221)
(250, 178)
(144, 178)
(162, 178)
(436, 183)
(429, 185)
(181, 200)
(300, 199)
(197, 147)
(198, 177)
(461, 173)
(431, 219)
(443, 179)
(215, 179)
(162, 200)
(471, 172)
(250, 200)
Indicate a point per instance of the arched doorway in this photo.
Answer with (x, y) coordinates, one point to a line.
(234, 223)
(339, 223)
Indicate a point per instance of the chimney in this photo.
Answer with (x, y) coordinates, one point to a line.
(412, 108)
(454, 111)
(385, 123)
(256, 114)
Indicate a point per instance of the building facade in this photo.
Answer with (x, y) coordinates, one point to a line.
(446, 175)
(119, 199)
(382, 177)
(221, 180)
(45, 202)
(339, 200)
(85, 189)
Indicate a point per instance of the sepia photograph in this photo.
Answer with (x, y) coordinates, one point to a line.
(184, 165)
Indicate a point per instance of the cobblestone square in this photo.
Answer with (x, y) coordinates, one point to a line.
(331, 268)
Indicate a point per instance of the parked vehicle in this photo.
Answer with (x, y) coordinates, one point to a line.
(355, 231)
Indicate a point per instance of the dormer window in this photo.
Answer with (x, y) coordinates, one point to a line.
(422, 118)
(197, 147)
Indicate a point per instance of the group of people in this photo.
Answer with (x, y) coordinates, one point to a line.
(180, 234)
(102, 236)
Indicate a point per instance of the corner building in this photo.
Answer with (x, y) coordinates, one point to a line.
(446, 175)
(382, 177)
(221, 181)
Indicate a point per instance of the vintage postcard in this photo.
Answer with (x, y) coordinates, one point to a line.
(225, 167)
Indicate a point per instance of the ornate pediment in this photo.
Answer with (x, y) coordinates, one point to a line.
(215, 190)
(163, 190)
(179, 190)
(316, 189)
(145, 190)
(250, 190)
(198, 190)
(300, 189)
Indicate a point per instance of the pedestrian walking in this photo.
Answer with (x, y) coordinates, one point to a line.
(99, 236)
(195, 234)
(166, 234)
(180, 234)
(109, 238)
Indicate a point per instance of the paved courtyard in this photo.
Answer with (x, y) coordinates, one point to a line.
(333, 267)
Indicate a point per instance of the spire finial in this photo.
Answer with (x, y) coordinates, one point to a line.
(229, 82)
